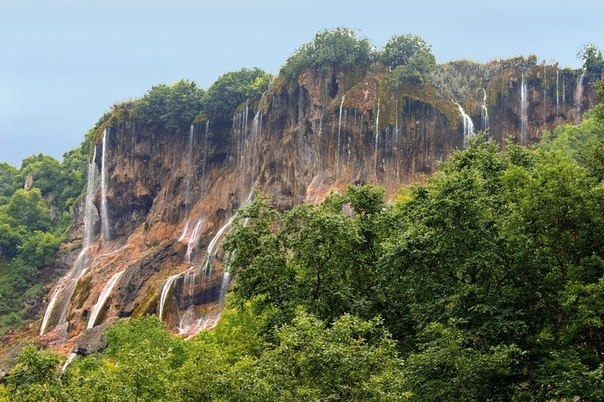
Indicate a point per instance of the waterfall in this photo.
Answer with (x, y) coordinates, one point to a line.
(68, 361)
(194, 240)
(65, 287)
(396, 128)
(377, 138)
(578, 98)
(484, 112)
(544, 90)
(205, 150)
(104, 185)
(50, 308)
(185, 231)
(164, 294)
(468, 125)
(523, 111)
(256, 128)
(564, 92)
(190, 169)
(339, 138)
(213, 243)
(107, 289)
(557, 93)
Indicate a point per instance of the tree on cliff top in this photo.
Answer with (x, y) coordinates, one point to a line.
(233, 88)
(339, 47)
(408, 57)
(593, 61)
(172, 108)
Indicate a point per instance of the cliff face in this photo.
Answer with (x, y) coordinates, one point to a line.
(164, 201)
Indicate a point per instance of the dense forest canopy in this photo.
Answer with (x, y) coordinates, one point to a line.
(484, 283)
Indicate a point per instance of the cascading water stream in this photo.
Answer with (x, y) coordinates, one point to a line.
(193, 240)
(564, 92)
(468, 125)
(256, 129)
(104, 184)
(68, 361)
(198, 288)
(578, 98)
(164, 294)
(190, 170)
(377, 138)
(207, 266)
(185, 231)
(339, 138)
(484, 112)
(64, 289)
(107, 289)
(557, 92)
(205, 150)
(523, 111)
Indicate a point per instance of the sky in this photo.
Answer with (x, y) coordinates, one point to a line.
(63, 63)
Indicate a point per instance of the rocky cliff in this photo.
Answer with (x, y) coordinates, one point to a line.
(161, 202)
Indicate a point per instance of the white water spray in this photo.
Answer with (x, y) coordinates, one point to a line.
(484, 112)
(557, 92)
(523, 111)
(104, 185)
(578, 98)
(377, 139)
(194, 240)
(65, 287)
(107, 289)
(190, 169)
(211, 253)
(468, 125)
(164, 294)
(339, 138)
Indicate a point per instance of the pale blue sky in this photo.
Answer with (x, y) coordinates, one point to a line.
(65, 62)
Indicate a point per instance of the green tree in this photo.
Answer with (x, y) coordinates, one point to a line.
(408, 57)
(28, 209)
(149, 109)
(172, 108)
(139, 364)
(39, 248)
(35, 377)
(232, 89)
(338, 47)
(8, 175)
(46, 172)
(184, 103)
(349, 360)
(593, 61)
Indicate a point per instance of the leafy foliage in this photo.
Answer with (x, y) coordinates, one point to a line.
(232, 89)
(34, 378)
(408, 57)
(593, 61)
(32, 223)
(338, 47)
(172, 108)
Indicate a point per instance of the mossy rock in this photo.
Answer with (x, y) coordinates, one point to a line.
(148, 305)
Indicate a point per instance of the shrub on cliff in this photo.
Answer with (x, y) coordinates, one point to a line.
(232, 89)
(408, 57)
(338, 47)
(172, 108)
